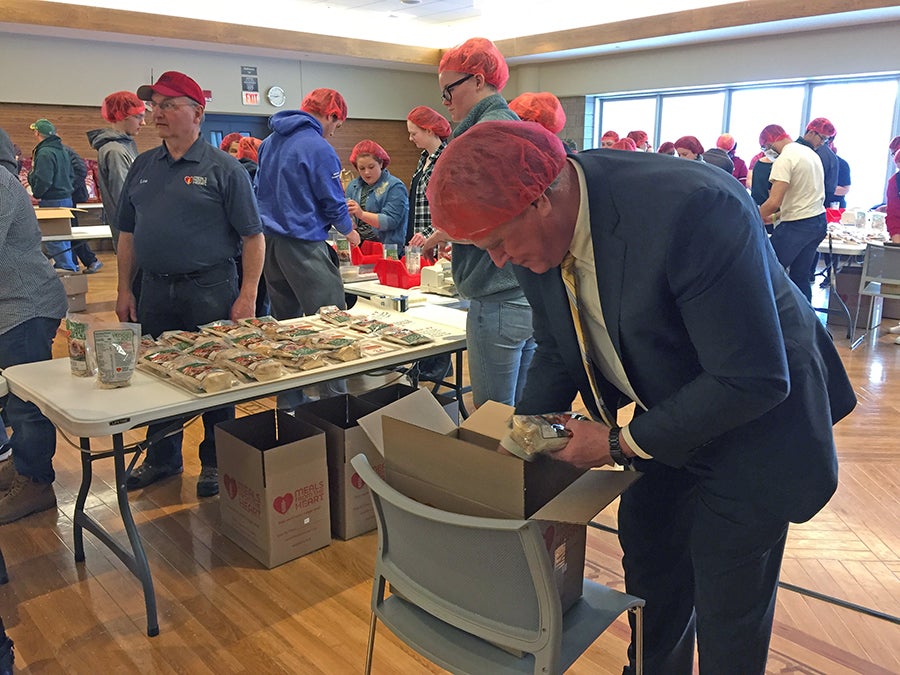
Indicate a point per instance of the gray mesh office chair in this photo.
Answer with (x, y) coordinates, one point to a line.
(880, 278)
(469, 593)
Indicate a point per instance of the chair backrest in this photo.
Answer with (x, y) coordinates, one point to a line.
(488, 577)
(881, 265)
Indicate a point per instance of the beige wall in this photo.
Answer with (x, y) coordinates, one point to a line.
(80, 72)
(858, 49)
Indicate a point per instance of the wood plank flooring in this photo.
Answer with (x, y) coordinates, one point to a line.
(221, 612)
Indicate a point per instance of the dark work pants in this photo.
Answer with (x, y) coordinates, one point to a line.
(184, 302)
(795, 243)
(707, 565)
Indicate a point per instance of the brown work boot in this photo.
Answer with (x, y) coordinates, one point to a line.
(25, 497)
(7, 474)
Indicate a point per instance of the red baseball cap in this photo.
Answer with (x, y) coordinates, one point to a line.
(171, 84)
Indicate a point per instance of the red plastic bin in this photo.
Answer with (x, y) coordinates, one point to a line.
(367, 253)
(393, 273)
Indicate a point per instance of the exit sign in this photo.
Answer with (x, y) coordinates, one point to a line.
(251, 98)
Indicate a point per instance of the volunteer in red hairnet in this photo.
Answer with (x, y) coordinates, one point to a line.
(377, 201)
(542, 107)
(230, 143)
(116, 150)
(625, 144)
(733, 408)
(689, 147)
(498, 323)
(727, 143)
(428, 131)
(641, 140)
(608, 138)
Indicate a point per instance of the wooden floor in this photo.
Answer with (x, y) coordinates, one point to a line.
(222, 612)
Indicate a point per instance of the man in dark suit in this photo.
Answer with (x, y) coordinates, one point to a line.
(684, 310)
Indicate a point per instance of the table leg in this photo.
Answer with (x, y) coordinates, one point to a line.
(458, 385)
(135, 559)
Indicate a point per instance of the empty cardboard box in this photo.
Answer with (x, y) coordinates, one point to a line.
(459, 470)
(351, 504)
(273, 486)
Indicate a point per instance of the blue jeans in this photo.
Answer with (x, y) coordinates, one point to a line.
(60, 251)
(500, 345)
(34, 436)
(184, 302)
(795, 243)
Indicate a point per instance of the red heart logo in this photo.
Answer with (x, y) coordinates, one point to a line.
(188, 180)
(549, 536)
(357, 482)
(230, 486)
(283, 503)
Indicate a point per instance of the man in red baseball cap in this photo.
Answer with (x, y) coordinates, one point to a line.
(186, 212)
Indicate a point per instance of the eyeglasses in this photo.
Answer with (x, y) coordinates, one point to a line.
(167, 106)
(447, 92)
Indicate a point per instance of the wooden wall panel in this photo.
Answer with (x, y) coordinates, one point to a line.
(73, 122)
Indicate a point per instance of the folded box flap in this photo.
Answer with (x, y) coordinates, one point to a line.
(587, 496)
(419, 408)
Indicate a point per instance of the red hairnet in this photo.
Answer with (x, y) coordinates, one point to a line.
(667, 148)
(624, 144)
(248, 148)
(823, 126)
(771, 134)
(477, 56)
(610, 135)
(367, 147)
(428, 118)
(543, 108)
(639, 137)
(121, 104)
(490, 174)
(233, 137)
(726, 142)
(691, 143)
(894, 145)
(325, 102)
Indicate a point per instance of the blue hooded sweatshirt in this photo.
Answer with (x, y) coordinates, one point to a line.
(298, 184)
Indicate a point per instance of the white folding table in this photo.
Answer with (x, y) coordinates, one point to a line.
(79, 408)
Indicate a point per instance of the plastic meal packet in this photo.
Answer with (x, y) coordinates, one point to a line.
(116, 347)
(80, 362)
(531, 435)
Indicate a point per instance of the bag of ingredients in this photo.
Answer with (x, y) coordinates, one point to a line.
(531, 435)
(77, 326)
(116, 347)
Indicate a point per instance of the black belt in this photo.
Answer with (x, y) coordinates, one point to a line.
(196, 274)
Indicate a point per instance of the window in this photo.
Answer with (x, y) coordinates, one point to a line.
(862, 114)
(629, 115)
(697, 115)
(754, 109)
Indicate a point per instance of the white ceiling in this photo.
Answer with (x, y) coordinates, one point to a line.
(428, 23)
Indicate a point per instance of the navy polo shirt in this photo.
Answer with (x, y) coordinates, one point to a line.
(188, 214)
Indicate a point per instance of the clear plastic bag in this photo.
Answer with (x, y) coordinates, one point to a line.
(116, 347)
(531, 435)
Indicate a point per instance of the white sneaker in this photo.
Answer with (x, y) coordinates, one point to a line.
(897, 340)
(894, 329)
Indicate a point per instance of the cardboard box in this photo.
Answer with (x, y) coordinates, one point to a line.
(273, 486)
(459, 470)
(76, 286)
(848, 289)
(351, 505)
(55, 220)
(386, 395)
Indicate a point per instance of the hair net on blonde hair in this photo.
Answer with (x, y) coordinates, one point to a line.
(477, 56)
(428, 118)
(542, 107)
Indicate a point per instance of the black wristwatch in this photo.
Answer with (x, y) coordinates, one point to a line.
(615, 450)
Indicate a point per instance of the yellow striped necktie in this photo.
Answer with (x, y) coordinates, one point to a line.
(567, 267)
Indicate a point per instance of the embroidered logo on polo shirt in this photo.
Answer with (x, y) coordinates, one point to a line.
(195, 180)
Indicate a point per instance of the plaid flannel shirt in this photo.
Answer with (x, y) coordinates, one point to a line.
(422, 213)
